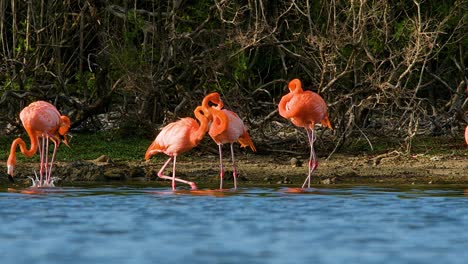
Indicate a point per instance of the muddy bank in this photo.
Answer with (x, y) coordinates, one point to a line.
(389, 168)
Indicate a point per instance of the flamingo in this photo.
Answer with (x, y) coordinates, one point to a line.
(304, 109)
(40, 120)
(226, 127)
(178, 137)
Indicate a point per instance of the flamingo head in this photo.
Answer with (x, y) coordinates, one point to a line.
(216, 99)
(11, 163)
(295, 85)
(204, 116)
(63, 129)
(64, 139)
(11, 169)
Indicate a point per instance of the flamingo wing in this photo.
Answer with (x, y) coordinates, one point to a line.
(304, 109)
(41, 117)
(235, 131)
(174, 138)
(232, 131)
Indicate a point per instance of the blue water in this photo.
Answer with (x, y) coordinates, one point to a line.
(254, 225)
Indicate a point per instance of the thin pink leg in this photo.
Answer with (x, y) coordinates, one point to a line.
(173, 178)
(46, 180)
(221, 167)
(173, 173)
(41, 153)
(161, 171)
(52, 161)
(234, 167)
(312, 159)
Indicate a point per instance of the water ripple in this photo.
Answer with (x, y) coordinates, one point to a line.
(355, 224)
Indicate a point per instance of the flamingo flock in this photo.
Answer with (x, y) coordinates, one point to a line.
(43, 123)
(224, 126)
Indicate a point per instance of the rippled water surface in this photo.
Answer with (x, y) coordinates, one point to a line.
(253, 225)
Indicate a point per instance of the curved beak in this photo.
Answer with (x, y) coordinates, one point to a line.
(65, 139)
(10, 172)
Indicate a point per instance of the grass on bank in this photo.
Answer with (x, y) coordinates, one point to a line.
(427, 145)
(89, 146)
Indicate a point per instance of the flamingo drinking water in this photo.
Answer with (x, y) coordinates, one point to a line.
(40, 120)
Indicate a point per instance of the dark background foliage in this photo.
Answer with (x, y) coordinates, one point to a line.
(384, 67)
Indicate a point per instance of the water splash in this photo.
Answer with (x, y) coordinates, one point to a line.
(46, 183)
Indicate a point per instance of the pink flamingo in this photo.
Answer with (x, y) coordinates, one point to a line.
(40, 120)
(305, 109)
(226, 127)
(178, 137)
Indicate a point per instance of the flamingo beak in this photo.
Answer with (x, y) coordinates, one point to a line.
(65, 140)
(10, 169)
(10, 172)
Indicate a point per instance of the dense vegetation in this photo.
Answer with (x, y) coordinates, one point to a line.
(383, 67)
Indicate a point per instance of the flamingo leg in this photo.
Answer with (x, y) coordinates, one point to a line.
(41, 154)
(173, 178)
(234, 167)
(161, 171)
(312, 159)
(173, 173)
(46, 166)
(221, 167)
(52, 162)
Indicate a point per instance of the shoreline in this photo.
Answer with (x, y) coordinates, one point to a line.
(276, 170)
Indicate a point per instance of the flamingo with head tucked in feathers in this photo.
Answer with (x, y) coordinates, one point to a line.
(226, 127)
(305, 109)
(40, 120)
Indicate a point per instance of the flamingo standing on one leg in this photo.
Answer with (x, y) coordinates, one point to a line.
(178, 137)
(226, 127)
(305, 109)
(40, 120)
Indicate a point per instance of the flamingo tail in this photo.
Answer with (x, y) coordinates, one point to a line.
(246, 141)
(153, 149)
(326, 122)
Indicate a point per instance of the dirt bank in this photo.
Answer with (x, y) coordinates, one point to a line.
(389, 168)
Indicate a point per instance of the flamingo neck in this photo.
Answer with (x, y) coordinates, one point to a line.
(220, 122)
(295, 86)
(282, 108)
(26, 152)
(214, 98)
(198, 135)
